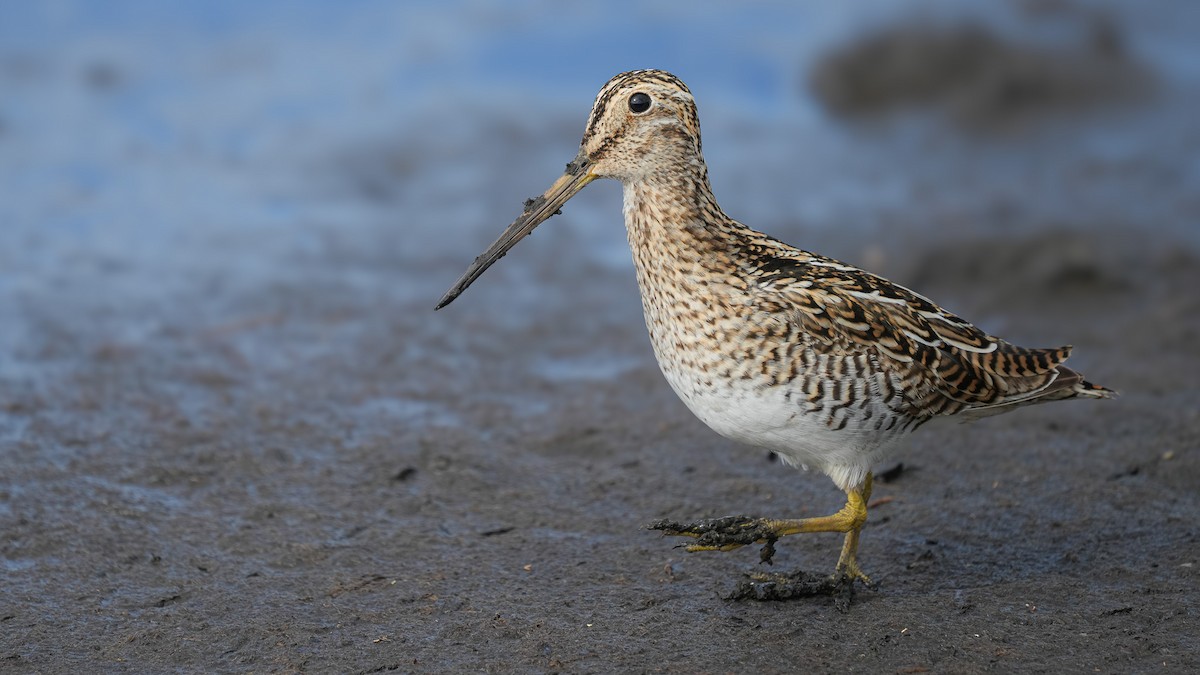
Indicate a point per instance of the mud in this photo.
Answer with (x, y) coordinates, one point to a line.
(177, 503)
(797, 585)
(240, 440)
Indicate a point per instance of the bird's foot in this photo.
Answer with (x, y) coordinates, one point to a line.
(766, 587)
(850, 573)
(725, 534)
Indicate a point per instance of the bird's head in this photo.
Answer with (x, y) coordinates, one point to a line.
(642, 124)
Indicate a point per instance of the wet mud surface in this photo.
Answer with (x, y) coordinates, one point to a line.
(300, 467)
(176, 503)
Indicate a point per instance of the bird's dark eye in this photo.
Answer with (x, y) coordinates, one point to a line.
(639, 102)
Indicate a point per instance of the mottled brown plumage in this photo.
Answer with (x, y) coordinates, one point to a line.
(770, 345)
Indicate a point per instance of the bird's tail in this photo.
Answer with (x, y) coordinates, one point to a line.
(1067, 385)
(1070, 384)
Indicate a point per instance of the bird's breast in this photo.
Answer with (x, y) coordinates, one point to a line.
(754, 377)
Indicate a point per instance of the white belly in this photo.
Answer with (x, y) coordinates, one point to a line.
(765, 416)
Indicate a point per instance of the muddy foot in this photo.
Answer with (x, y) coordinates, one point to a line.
(799, 584)
(724, 534)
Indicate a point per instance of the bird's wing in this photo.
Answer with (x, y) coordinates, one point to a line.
(944, 363)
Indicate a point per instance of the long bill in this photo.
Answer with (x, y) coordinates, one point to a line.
(536, 211)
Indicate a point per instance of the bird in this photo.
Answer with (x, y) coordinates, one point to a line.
(825, 364)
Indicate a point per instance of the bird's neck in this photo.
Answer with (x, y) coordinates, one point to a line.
(673, 220)
(683, 248)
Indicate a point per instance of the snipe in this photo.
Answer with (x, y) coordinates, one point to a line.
(823, 363)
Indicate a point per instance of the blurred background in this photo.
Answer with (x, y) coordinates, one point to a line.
(224, 225)
(175, 166)
(164, 164)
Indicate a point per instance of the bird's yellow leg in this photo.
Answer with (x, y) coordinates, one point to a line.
(725, 534)
(849, 519)
(847, 565)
